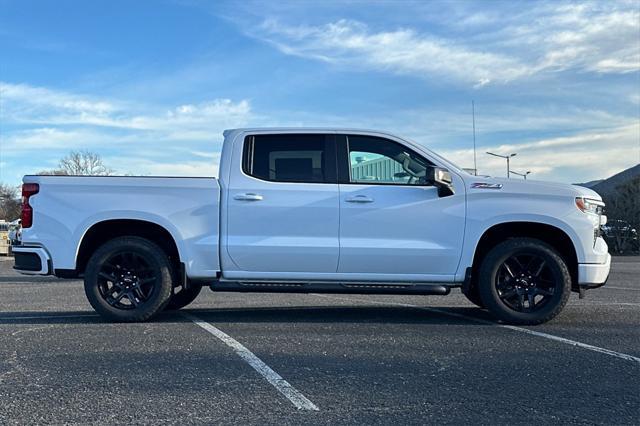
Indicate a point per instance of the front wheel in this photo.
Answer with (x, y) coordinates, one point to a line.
(524, 281)
(128, 279)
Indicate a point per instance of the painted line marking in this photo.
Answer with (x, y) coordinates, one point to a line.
(292, 394)
(508, 327)
(621, 288)
(611, 304)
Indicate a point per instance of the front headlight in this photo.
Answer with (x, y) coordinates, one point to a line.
(589, 205)
(594, 208)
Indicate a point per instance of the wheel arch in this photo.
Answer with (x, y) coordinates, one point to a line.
(105, 230)
(549, 234)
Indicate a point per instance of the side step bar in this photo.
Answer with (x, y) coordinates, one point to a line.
(343, 288)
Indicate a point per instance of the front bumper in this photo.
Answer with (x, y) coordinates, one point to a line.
(592, 275)
(32, 260)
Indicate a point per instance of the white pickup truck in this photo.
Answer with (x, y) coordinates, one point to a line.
(316, 210)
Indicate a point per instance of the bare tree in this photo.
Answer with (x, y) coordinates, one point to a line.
(80, 163)
(84, 163)
(9, 202)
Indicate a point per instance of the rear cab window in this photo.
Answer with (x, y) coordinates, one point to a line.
(302, 158)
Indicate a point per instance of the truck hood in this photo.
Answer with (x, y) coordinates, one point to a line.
(521, 186)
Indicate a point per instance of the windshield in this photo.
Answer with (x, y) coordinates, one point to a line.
(448, 163)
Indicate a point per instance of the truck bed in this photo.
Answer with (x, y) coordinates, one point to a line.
(66, 207)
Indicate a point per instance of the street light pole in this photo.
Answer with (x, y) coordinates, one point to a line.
(524, 175)
(508, 157)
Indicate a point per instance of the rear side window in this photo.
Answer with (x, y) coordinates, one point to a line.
(304, 158)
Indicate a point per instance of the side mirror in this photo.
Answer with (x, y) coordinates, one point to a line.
(441, 178)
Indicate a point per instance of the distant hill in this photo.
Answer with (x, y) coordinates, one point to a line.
(621, 194)
(591, 183)
(607, 187)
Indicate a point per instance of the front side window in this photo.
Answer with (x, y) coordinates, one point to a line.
(378, 160)
(305, 158)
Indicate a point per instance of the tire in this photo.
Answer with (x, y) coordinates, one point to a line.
(128, 279)
(473, 296)
(524, 281)
(182, 297)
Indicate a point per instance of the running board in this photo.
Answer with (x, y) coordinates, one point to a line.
(321, 287)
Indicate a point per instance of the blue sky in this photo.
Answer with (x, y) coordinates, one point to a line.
(150, 85)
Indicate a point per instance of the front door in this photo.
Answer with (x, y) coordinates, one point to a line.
(283, 208)
(393, 223)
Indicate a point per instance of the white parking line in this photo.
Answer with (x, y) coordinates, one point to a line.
(622, 288)
(509, 327)
(292, 394)
(612, 304)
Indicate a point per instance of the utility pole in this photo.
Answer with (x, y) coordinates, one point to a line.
(524, 175)
(473, 118)
(508, 157)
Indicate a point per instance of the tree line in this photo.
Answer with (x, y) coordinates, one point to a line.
(624, 203)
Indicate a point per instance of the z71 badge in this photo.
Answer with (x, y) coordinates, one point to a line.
(486, 185)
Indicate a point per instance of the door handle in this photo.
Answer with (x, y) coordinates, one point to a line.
(248, 197)
(359, 199)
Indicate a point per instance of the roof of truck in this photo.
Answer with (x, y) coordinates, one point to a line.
(302, 129)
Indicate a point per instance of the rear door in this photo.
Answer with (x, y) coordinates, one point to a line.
(283, 207)
(393, 224)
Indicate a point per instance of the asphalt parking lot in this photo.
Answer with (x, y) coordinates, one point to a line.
(320, 359)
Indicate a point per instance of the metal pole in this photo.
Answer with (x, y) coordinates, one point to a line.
(473, 115)
(524, 175)
(508, 157)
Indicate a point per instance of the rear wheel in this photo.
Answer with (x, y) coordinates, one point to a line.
(524, 281)
(182, 297)
(128, 279)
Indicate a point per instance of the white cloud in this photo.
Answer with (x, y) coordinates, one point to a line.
(591, 37)
(210, 155)
(23, 98)
(402, 51)
(43, 125)
(42, 138)
(588, 37)
(45, 107)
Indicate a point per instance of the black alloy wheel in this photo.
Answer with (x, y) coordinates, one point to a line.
(128, 279)
(524, 281)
